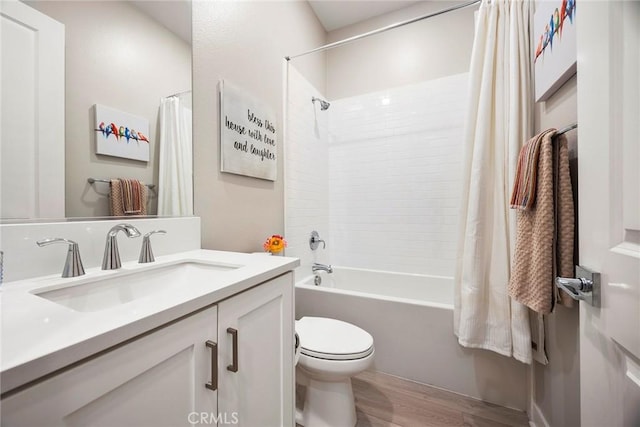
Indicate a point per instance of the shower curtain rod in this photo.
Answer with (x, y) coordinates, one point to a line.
(179, 93)
(383, 29)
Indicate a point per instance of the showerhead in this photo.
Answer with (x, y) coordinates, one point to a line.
(324, 105)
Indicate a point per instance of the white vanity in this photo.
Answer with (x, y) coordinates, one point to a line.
(196, 338)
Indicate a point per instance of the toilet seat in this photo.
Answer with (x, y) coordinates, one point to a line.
(332, 339)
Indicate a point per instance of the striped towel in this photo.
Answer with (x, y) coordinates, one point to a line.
(523, 195)
(128, 197)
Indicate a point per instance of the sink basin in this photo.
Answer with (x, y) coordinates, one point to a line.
(107, 292)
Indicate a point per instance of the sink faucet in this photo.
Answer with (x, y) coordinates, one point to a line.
(321, 267)
(73, 265)
(111, 260)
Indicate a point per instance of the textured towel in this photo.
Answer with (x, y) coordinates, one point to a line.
(128, 197)
(564, 219)
(544, 240)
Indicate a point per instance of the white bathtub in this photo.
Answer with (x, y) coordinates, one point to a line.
(411, 319)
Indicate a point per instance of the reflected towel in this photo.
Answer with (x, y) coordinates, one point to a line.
(128, 197)
(545, 231)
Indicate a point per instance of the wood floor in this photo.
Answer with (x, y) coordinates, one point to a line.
(387, 401)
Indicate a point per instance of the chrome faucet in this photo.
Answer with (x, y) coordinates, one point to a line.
(146, 254)
(321, 267)
(111, 260)
(73, 265)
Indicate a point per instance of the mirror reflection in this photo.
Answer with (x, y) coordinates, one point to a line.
(130, 56)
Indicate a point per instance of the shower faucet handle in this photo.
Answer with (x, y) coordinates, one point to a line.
(315, 240)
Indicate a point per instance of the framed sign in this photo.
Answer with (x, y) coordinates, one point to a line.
(555, 45)
(121, 134)
(247, 134)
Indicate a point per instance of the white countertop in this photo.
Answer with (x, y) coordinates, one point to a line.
(40, 336)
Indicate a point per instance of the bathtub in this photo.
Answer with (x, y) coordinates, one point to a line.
(411, 319)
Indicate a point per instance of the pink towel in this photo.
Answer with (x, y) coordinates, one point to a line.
(545, 232)
(523, 195)
(128, 197)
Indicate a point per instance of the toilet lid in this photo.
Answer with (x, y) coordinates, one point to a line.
(333, 339)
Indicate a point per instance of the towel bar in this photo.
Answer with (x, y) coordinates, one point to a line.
(92, 180)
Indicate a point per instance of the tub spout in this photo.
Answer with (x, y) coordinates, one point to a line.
(321, 267)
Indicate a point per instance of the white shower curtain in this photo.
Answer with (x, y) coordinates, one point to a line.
(499, 120)
(175, 184)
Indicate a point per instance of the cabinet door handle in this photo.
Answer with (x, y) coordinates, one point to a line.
(213, 385)
(234, 337)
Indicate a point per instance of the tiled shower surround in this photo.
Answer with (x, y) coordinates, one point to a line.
(383, 172)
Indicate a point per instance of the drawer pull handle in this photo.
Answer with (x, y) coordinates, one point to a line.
(213, 385)
(234, 337)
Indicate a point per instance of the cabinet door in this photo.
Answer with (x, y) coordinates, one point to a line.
(156, 380)
(260, 391)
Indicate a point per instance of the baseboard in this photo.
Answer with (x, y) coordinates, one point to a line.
(536, 417)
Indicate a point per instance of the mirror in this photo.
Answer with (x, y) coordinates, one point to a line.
(129, 56)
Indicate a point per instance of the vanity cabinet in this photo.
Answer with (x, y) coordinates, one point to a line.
(166, 377)
(257, 328)
(155, 380)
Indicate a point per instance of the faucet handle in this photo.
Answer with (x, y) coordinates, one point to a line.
(73, 265)
(315, 240)
(146, 254)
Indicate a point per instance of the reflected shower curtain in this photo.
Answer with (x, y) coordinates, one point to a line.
(175, 184)
(499, 120)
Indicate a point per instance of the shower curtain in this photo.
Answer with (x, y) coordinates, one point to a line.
(175, 184)
(499, 120)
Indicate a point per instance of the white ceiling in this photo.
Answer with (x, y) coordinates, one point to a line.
(335, 14)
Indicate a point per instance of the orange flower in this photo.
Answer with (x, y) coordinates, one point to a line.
(275, 244)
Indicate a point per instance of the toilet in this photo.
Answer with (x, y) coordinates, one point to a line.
(330, 353)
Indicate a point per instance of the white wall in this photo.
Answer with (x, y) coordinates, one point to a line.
(425, 50)
(377, 175)
(119, 57)
(307, 172)
(244, 42)
(394, 177)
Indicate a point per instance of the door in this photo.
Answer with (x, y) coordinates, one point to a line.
(609, 211)
(157, 380)
(32, 121)
(255, 328)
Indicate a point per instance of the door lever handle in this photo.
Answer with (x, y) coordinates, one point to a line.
(585, 287)
(575, 288)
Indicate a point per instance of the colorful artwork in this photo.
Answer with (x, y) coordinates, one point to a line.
(555, 50)
(554, 27)
(121, 134)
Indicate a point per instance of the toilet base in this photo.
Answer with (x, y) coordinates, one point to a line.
(329, 404)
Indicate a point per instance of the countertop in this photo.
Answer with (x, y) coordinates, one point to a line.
(40, 336)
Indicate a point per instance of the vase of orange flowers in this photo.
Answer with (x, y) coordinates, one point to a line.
(275, 244)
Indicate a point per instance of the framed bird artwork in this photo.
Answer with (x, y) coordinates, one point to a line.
(554, 47)
(121, 134)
